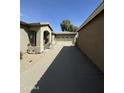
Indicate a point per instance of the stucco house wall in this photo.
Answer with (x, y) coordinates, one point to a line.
(32, 37)
(68, 37)
(91, 40)
(64, 38)
(24, 39)
(43, 29)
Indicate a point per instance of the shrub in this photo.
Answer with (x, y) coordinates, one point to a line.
(21, 55)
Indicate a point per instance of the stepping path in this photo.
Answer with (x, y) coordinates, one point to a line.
(62, 69)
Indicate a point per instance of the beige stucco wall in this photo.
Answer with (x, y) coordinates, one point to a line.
(91, 40)
(24, 40)
(53, 39)
(64, 38)
(46, 28)
(40, 36)
(27, 36)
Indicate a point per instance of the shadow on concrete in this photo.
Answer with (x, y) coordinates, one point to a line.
(71, 72)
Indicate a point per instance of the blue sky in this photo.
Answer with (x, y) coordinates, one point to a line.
(54, 11)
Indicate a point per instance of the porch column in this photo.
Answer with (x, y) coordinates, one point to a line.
(53, 39)
(50, 37)
(39, 41)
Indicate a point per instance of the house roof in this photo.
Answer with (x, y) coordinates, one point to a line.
(93, 15)
(63, 33)
(24, 23)
(36, 24)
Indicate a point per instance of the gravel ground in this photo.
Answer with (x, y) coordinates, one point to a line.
(33, 66)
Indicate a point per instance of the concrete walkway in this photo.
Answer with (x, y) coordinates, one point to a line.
(63, 69)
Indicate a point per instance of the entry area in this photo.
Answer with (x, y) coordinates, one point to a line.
(46, 39)
(39, 41)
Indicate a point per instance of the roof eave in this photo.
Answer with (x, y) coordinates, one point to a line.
(41, 24)
(35, 24)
